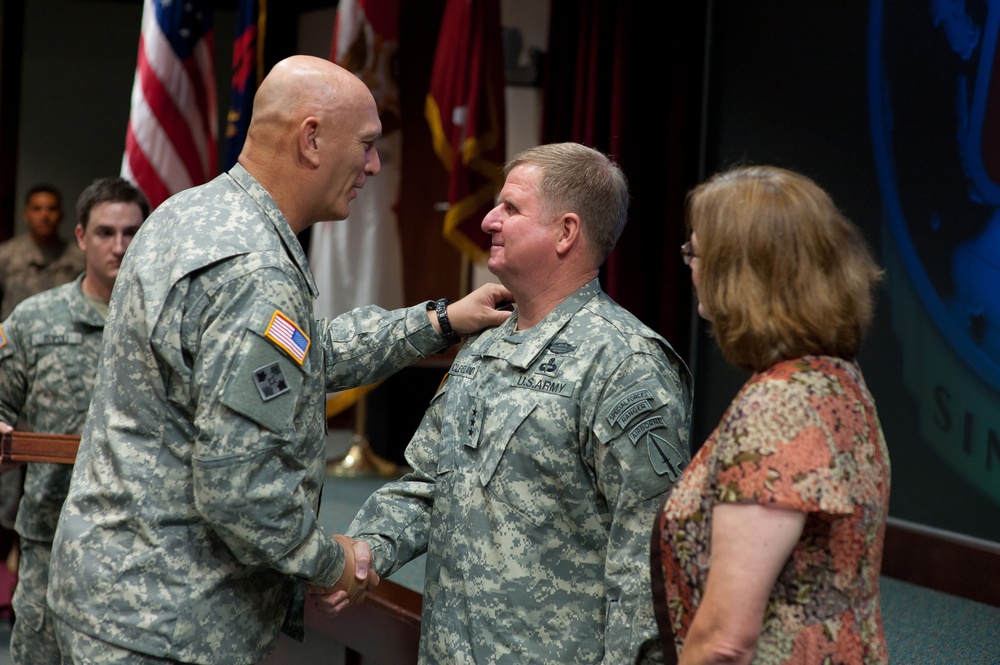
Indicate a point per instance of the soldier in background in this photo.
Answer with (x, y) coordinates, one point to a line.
(49, 351)
(30, 263)
(40, 258)
(541, 462)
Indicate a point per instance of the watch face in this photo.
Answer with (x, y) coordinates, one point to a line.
(934, 90)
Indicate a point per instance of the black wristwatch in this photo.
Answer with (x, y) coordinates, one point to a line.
(441, 308)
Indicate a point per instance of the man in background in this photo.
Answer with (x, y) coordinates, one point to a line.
(49, 351)
(39, 258)
(30, 263)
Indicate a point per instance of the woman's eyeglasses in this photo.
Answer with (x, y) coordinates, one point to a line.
(687, 253)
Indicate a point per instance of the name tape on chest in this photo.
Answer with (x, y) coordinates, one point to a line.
(465, 370)
(287, 336)
(56, 339)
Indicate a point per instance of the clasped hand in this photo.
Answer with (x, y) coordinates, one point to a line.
(354, 582)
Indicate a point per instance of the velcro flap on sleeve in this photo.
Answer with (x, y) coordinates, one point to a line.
(265, 382)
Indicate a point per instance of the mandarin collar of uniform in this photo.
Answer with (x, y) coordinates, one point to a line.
(80, 309)
(278, 221)
(522, 348)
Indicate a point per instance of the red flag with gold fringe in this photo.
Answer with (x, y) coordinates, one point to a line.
(465, 109)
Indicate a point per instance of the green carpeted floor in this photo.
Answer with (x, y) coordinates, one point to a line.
(922, 626)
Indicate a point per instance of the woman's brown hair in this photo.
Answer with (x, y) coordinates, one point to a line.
(782, 273)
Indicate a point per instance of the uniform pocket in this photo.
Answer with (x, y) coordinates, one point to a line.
(526, 460)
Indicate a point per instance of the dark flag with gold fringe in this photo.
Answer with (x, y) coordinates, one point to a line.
(465, 109)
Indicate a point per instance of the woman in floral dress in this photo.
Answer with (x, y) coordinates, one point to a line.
(768, 548)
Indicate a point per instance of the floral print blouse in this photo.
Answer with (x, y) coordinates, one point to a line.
(803, 434)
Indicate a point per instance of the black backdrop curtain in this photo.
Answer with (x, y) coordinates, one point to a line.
(630, 85)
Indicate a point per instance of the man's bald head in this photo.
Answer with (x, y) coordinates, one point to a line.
(297, 87)
(306, 113)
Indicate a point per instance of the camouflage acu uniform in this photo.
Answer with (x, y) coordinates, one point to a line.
(27, 269)
(49, 350)
(190, 525)
(537, 472)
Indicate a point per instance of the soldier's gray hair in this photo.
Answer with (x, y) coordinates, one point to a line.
(579, 179)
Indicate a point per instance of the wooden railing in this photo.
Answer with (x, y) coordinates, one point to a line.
(19, 447)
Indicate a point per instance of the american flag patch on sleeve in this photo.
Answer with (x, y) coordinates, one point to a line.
(288, 336)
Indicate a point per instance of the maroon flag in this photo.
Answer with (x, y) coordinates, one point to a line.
(465, 111)
(172, 137)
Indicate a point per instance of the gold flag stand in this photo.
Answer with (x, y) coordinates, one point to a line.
(360, 461)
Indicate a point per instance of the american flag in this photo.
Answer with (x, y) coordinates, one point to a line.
(172, 138)
(283, 332)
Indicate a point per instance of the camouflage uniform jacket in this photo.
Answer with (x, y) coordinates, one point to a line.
(49, 351)
(538, 470)
(191, 521)
(27, 269)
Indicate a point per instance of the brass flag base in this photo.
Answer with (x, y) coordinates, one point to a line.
(361, 462)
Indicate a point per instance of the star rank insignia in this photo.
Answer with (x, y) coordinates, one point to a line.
(270, 381)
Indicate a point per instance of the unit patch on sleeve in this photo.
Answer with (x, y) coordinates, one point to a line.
(288, 336)
(3, 338)
(270, 381)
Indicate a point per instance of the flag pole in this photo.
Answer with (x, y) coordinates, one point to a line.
(465, 276)
(360, 461)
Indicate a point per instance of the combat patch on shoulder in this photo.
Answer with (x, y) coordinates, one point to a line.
(3, 338)
(287, 336)
(663, 455)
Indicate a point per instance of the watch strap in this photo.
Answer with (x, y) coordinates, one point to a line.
(449, 334)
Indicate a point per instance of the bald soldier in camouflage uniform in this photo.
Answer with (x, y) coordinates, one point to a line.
(542, 460)
(190, 529)
(49, 350)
